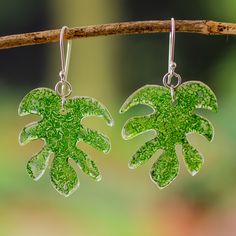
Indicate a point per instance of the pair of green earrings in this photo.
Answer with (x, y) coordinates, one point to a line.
(60, 128)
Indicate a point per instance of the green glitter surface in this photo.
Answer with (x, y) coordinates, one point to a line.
(61, 130)
(171, 121)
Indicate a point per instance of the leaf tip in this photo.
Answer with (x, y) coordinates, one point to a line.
(121, 111)
(107, 150)
(111, 122)
(68, 192)
(124, 134)
(161, 185)
(194, 172)
(124, 107)
(98, 178)
(131, 165)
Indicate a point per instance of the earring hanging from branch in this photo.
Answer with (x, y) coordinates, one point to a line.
(172, 119)
(60, 128)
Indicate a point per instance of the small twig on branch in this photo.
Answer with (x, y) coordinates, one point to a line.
(139, 27)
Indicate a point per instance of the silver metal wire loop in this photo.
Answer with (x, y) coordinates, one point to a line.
(64, 62)
(168, 77)
(63, 88)
(167, 80)
(171, 59)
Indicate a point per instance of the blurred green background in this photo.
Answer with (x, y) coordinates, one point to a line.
(125, 202)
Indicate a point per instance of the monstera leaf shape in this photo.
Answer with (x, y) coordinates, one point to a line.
(61, 129)
(171, 121)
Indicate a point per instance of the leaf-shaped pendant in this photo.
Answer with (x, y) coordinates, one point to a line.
(61, 130)
(171, 121)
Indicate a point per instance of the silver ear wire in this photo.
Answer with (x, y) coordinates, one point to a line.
(63, 88)
(64, 63)
(167, 79)
(171, 63)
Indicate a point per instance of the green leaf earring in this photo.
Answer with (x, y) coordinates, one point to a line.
(60, 128)
(172, 119)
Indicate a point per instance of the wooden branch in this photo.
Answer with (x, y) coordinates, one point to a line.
(139, 27)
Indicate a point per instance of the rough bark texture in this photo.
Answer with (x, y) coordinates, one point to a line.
(206, 27)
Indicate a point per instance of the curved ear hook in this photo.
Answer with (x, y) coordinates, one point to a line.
(63, 87)
(171, 61)
(64, 62)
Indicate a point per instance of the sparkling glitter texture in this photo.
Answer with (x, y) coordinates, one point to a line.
(61, 130)
(171, 121)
